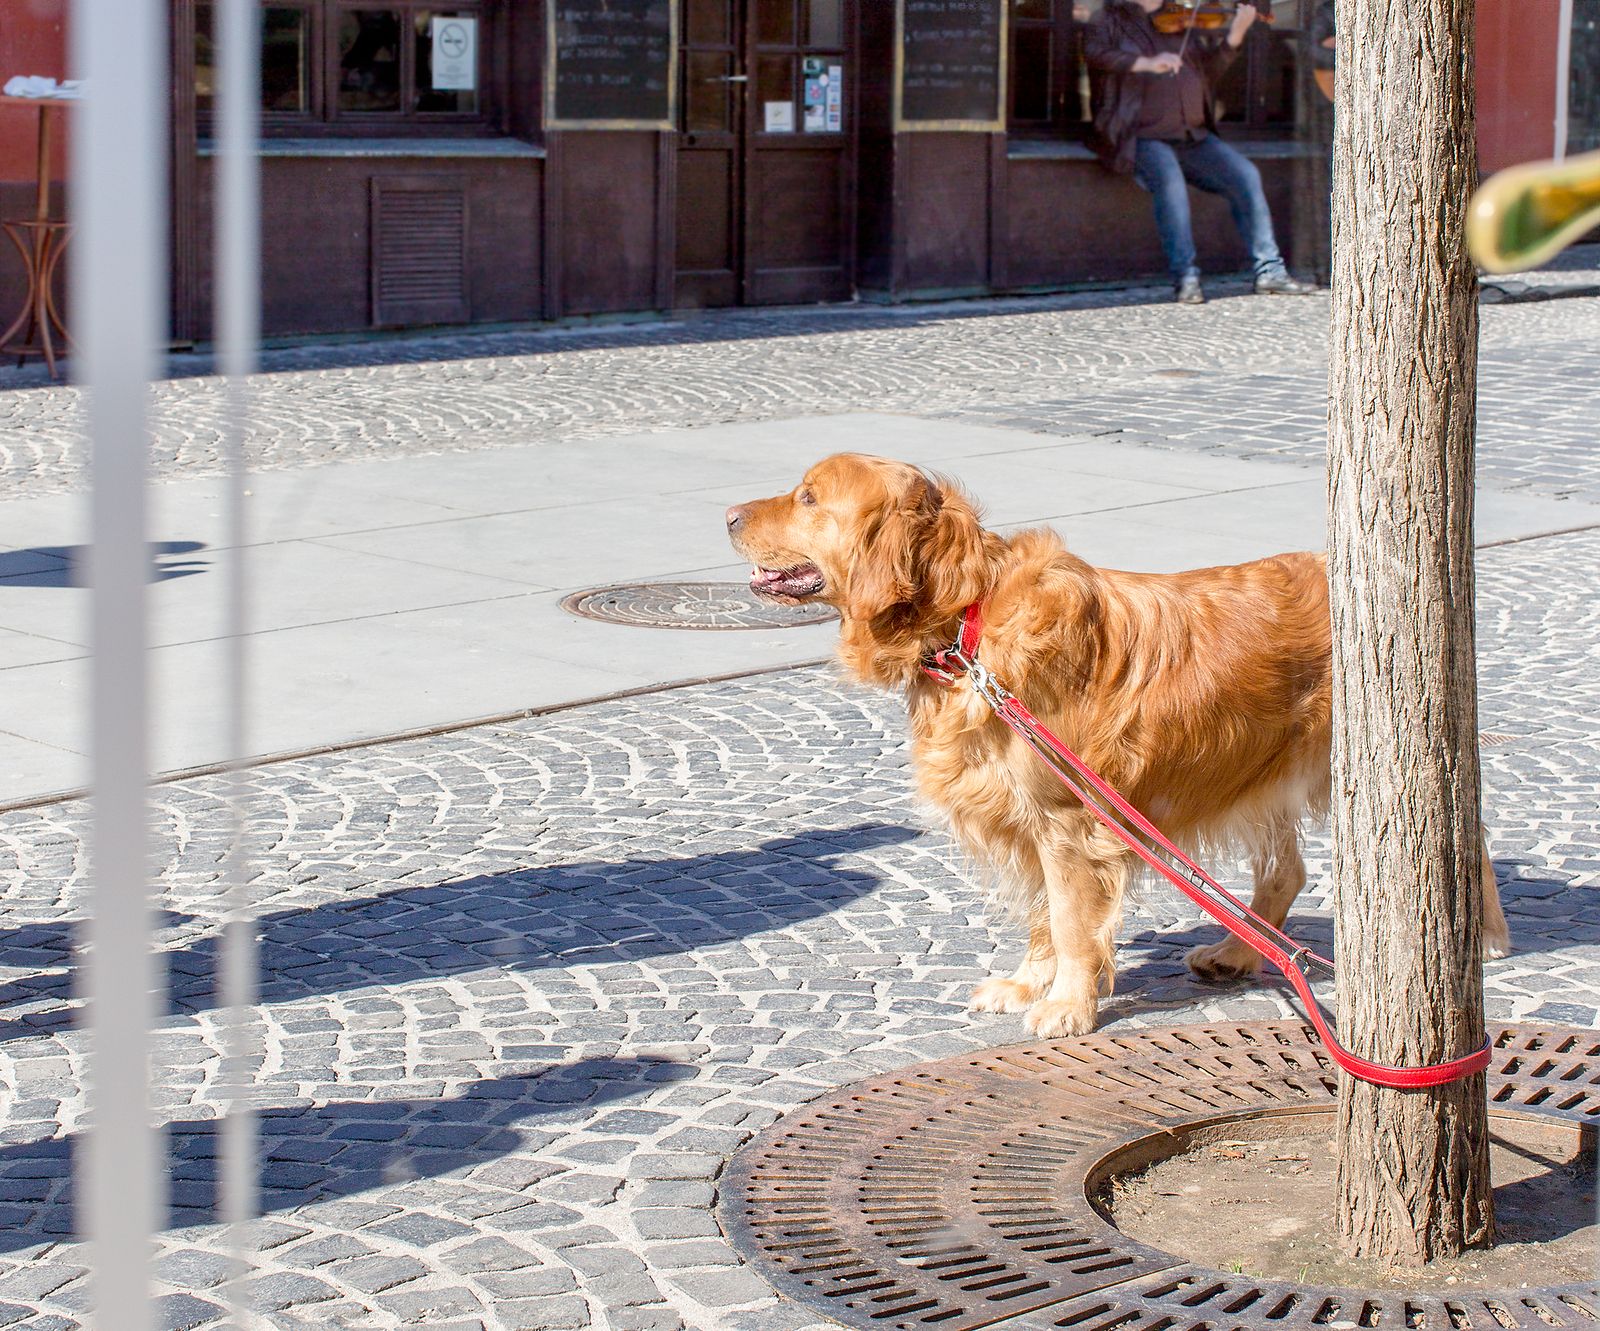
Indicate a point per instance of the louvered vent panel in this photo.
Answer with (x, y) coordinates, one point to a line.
(419, 250)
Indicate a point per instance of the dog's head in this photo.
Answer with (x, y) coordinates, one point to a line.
(867, 535)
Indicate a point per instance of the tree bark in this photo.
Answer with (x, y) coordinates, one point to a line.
(1413, 1175)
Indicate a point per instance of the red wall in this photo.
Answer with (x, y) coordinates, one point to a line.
(1516, 81)
(33, 40)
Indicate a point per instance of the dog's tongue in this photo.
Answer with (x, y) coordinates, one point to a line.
(791, 583)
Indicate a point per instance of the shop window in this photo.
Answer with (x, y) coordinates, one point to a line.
(354, 66)
(1050, 93)
(1049, 87)
(1259, 92)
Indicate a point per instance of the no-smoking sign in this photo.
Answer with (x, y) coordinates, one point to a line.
(455, 54)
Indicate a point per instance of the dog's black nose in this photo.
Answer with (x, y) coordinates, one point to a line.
(735, 516)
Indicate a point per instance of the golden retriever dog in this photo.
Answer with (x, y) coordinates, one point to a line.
(1204, 697)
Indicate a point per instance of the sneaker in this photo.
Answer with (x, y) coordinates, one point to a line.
(1189, 292)
(1281, 284)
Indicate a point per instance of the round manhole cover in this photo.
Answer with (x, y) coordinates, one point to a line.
(957, 1194)
(692, 605)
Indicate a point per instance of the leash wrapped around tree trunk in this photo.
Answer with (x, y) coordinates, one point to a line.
(1145, 840)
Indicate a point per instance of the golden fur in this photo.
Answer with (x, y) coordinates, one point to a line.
(1204, 697)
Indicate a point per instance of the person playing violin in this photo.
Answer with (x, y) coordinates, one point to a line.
(1155, 118)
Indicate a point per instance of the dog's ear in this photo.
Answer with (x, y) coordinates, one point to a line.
(926, 549)
(950, 564)
(883, 573)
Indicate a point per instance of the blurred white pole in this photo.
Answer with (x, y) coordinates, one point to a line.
(237, 333)
(119, 298)
(1563, 74)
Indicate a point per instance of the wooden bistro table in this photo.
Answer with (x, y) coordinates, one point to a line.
(38, 329)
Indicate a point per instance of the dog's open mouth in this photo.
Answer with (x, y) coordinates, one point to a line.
(787, 584)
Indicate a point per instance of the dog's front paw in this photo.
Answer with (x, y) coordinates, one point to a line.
(1221, 963)
(1055, 1018)
(1001, 995)
(1496, 943)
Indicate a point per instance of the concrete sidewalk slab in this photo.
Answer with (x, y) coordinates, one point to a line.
(577, 545)
(20, 649)
(1127, 540)
(1198, 471)
(400, 594)
(29, 765)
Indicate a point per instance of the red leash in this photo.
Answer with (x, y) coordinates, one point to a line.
(1145, 840)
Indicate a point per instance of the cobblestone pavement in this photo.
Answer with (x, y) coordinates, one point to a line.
(1243, 375)
(524, 987)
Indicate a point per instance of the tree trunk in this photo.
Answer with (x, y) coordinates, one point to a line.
(1413, 1177)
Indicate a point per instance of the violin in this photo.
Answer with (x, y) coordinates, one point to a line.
(1177, 16)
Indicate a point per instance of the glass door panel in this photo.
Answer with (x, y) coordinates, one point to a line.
(707, 22)
(825, 23)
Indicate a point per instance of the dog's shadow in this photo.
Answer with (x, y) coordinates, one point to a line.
(562, 915)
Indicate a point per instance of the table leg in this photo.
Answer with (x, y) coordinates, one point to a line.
(38, 328)
(41, 207)
(39, 324)
(59, 238)
(41, 252)
(25, 314)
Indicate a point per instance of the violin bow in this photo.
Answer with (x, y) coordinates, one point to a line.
(1184, 44)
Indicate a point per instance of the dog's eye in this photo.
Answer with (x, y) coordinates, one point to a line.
(807, 498)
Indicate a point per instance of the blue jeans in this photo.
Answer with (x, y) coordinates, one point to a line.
(1167, 169)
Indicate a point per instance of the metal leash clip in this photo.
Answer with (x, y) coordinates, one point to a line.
(987, 687)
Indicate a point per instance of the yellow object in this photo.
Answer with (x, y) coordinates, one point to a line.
(1527, 214)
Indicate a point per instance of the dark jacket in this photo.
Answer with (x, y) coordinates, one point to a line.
(1115, 38)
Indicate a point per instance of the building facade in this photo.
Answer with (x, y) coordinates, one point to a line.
(493, 161)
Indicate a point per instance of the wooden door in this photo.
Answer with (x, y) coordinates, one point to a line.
(710, 153)
(766, 160)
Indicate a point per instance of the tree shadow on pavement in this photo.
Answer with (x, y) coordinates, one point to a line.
(312, 1153)
(531, 919)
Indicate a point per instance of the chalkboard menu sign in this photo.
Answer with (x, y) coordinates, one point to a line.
(951, 64)
(612, 64)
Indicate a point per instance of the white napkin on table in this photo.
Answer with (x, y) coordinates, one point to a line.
(39, 85)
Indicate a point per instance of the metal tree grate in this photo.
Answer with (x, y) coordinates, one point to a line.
(691, 605)
(955, 1194)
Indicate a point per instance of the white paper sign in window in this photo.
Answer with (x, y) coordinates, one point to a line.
(455, 54)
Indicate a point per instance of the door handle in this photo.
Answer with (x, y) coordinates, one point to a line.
(729, 78)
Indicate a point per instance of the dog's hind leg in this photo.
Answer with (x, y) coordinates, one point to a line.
(1030, 980)
(1279, 873)
(1496, 936)
(1084, 888)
